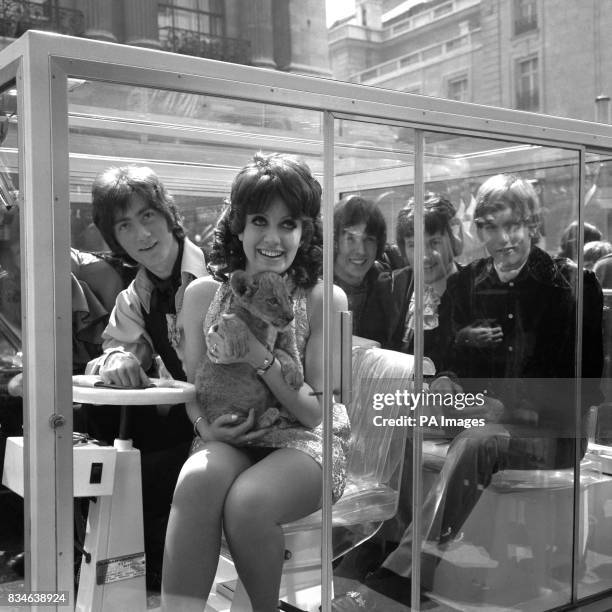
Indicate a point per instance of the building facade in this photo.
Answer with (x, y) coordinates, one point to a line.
(278, 34)
(547, 56)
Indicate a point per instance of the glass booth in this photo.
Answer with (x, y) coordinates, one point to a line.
(533, 534)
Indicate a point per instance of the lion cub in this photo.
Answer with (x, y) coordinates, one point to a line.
(262, 303)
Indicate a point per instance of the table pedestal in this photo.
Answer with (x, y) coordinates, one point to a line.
(114, 577)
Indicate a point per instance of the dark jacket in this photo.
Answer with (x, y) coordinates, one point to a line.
(537, 314)
(399, 285)
(371, 321)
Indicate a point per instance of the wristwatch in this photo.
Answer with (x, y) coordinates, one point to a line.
(265, 366)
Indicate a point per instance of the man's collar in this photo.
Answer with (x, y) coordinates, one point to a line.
(192, 264)
(539, 266)
(193, 260)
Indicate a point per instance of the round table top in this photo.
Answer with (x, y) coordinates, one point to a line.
(86, 389)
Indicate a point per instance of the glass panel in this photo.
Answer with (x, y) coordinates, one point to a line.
(499, 450)
(500, 417)
(373, 181)
(192, 148)
(11, 408)
(596, 524)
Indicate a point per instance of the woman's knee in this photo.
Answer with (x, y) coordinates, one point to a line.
(208, 474)
(246, 504)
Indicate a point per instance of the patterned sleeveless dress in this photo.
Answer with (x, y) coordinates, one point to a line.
(290, 433)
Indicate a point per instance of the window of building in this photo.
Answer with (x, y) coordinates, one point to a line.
(202, 16)
(527, 85)
(457, 88)
(525, 16)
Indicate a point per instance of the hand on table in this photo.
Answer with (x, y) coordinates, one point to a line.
(124, 370)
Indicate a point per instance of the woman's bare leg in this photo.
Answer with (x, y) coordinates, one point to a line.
(283, 487)
(193, 536)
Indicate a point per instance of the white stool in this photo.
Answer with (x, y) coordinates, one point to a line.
(517, 542)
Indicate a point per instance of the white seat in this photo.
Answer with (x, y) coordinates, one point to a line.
(518, 536)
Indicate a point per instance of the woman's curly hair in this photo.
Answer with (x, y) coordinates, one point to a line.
(255, 186)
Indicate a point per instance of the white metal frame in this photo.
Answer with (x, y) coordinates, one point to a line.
(41, 63)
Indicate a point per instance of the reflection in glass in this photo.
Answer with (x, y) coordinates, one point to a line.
(596, 548)
(510, 463)
(11, 409)
(500, 469)
(373, 166)
(197, 145)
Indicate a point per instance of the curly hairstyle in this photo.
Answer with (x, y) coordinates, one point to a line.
(112, 192)
(255, 187)
(356, 210)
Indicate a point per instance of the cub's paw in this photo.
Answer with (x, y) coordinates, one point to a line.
(291, 371)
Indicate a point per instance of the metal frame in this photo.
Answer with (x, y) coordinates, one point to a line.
(41, 62)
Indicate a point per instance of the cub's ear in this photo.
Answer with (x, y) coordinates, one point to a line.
(241, 283)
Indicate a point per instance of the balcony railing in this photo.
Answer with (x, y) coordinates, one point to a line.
(190, 42)
(426, 54)
(18, 16)
(424, 18)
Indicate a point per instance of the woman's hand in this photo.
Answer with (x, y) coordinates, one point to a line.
(226, 428)
(231, 341)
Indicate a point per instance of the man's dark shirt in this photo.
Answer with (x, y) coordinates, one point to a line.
(537, 314)
(371, 306)
(156, 324)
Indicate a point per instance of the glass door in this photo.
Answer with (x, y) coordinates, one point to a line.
(12, 540)
(245, 179)
(595, 546)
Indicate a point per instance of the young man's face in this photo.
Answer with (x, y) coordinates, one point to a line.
(355, 254)
(438, 260)
(506, 237)
(144, 235)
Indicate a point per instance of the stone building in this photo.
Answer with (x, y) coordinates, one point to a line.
(279, 34)
(547, 56)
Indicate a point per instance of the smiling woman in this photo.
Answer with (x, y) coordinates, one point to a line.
(271, 239)
(247, 478)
